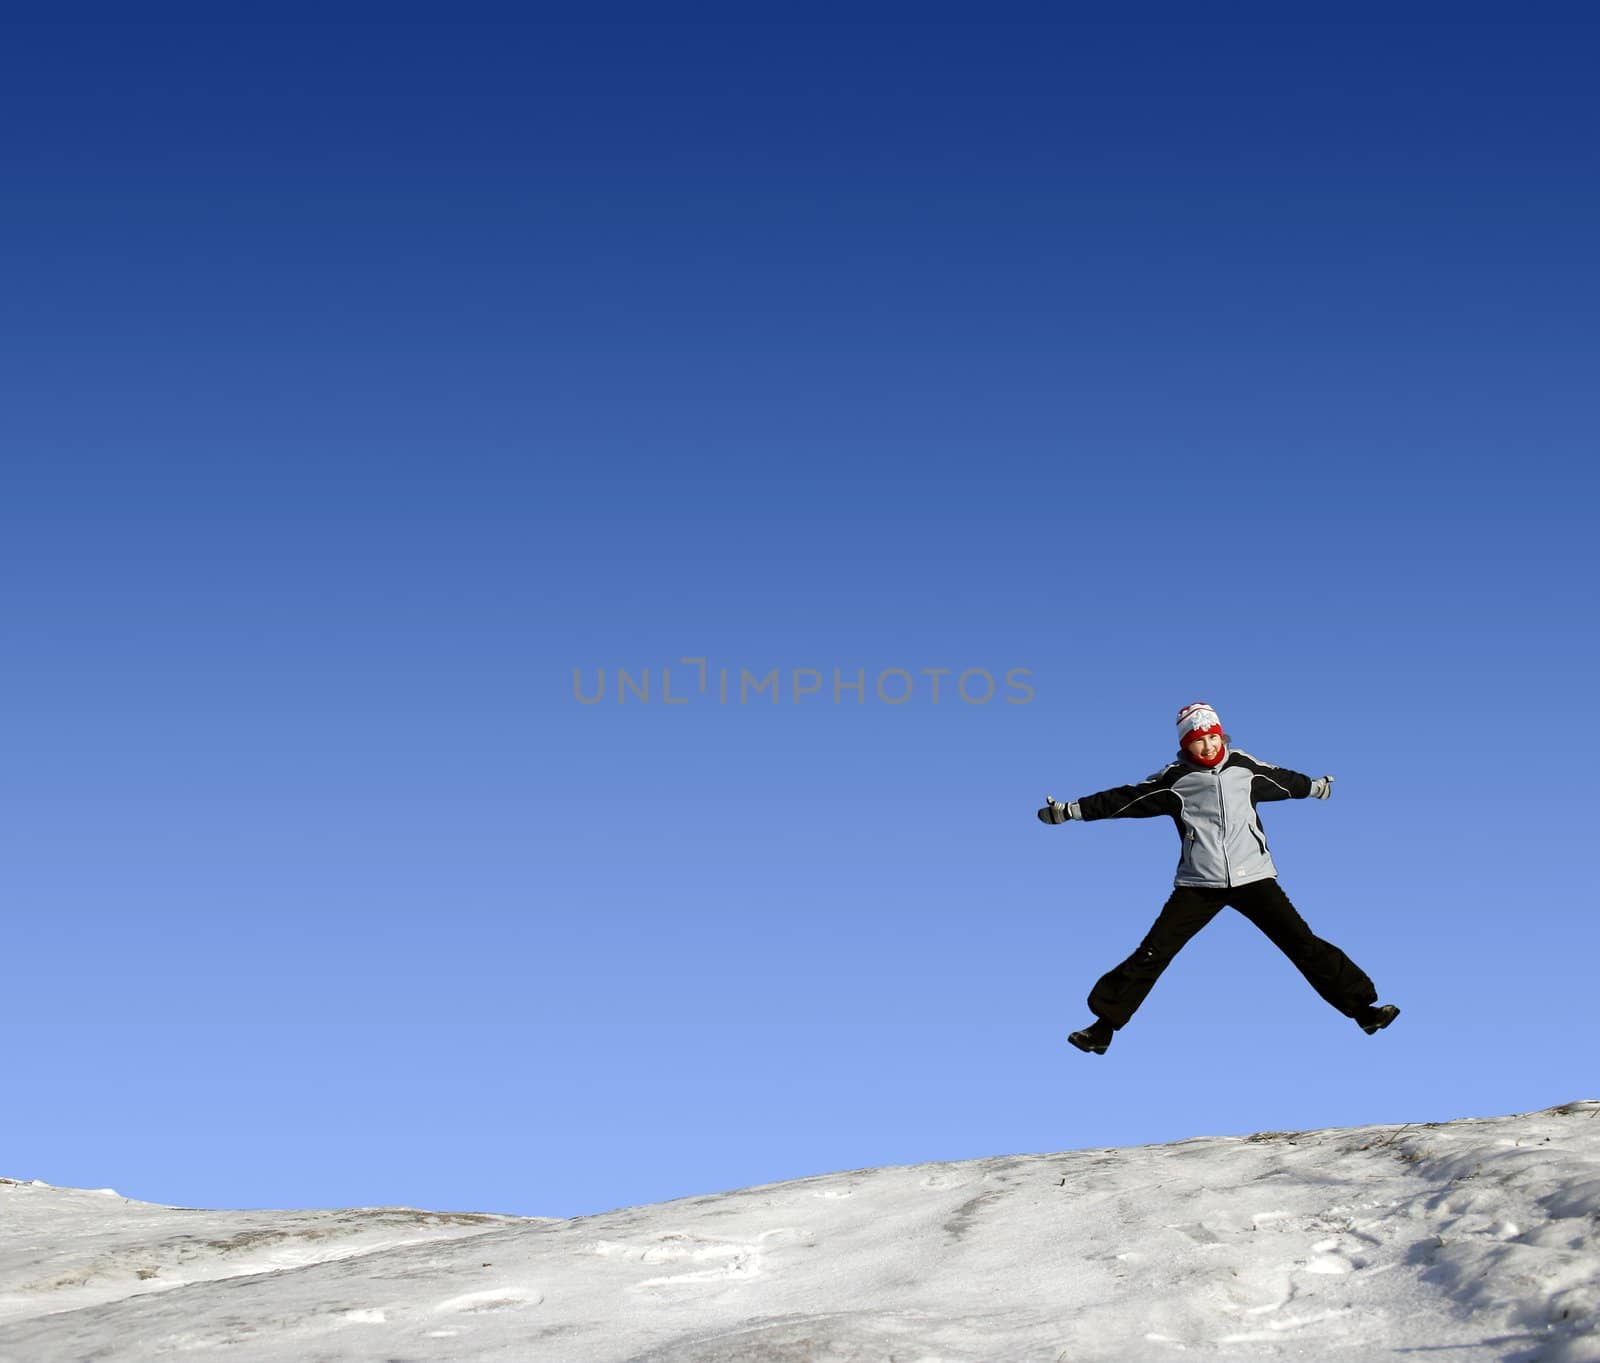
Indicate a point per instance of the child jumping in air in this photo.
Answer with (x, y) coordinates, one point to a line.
(1211, 793)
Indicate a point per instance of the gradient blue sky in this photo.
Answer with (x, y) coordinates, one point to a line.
(363, 380)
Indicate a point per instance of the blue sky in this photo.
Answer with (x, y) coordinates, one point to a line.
(365, 381)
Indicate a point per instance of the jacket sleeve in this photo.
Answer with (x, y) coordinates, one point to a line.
(1278, 783)
(1154, 795)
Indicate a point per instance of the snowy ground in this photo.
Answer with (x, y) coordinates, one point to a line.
(1464, 1242)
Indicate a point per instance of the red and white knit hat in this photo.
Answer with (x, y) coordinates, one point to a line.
(1196, 720)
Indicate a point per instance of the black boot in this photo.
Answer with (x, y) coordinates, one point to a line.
(1094, 1038)
(1376, 1019)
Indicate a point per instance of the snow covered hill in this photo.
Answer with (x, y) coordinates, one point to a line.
(1467, 1241)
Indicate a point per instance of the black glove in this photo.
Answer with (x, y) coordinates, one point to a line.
(1053, 812)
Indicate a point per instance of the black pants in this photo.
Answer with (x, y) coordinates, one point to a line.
(1330, 972)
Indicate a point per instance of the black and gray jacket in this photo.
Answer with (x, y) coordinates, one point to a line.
(1214, 809)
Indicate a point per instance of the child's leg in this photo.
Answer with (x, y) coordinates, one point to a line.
(1120, 991)
(1328, 970)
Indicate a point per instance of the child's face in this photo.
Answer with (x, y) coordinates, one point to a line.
(1206, 746)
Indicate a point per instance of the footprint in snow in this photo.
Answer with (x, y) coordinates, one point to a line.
(493, 1299)
(945, 1181)
(1330, 1257)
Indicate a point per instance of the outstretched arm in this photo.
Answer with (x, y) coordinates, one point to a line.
(1154, 795)
(1149, 797)
(1279, 783)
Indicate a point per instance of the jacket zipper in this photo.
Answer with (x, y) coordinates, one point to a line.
(1222, 808)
